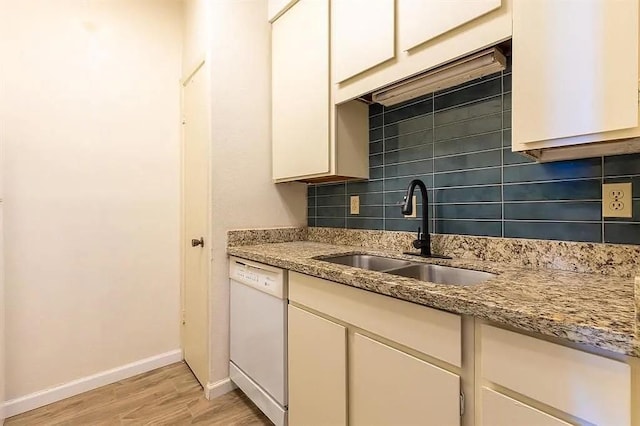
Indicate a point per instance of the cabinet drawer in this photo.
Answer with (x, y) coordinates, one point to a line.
(591, 387)
(432, 332)
(500, 410)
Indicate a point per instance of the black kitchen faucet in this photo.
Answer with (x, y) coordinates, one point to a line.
(423, 242)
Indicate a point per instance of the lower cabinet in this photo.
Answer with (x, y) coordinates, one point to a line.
(390, 387)
(347, 365)
(579, 384)
(500, 410)
(317, 370)
(364, 359)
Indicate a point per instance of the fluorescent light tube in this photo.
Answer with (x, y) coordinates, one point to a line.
(457, 72)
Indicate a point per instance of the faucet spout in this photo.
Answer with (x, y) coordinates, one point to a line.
(423, 242)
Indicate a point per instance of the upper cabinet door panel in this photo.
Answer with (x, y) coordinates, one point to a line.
(300, 90)
(363, 35)
(275, 8)
(575, 68)
(420, 21)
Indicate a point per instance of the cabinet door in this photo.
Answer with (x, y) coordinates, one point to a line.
(300, 90)
(420, 21)
(500, 410)
(363, 35)
(317, 370)
(587, 386)
(390, 387)
(275, 8)
(575, 68)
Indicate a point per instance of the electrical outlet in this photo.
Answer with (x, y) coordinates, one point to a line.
(355, 204)
(617, 200)
(415, 207)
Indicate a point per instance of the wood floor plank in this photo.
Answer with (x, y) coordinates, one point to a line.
(167, 396)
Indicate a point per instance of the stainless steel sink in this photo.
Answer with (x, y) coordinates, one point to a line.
(421, 271)
(442, 274)
(365, 261)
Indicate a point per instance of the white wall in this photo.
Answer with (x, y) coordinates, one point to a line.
(197, 33)
(238, 46)
(244, 195)
(91, 114)
(2, 319)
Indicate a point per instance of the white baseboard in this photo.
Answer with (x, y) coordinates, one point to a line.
(219, 388)
(75, 387)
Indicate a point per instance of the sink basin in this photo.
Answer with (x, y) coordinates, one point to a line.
(365, 261)
(442, 274)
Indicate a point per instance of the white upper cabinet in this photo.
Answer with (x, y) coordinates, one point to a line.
(575, 72)
(275, 8)
(313, 140)
(363, 35)
(300, 90)
(422, 20)
(425, 34)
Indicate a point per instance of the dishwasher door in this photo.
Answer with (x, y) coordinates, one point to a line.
(258, 324)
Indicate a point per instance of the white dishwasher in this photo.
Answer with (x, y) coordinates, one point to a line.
(258, 335)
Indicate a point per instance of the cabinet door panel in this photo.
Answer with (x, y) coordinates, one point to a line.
(420, 21)
(317, 370)
(363, 35)
(587, 386)
(500, 410)
(390, 387)
(575, 68)
(300, 90)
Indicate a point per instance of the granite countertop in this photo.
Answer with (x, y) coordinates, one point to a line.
(596, 310)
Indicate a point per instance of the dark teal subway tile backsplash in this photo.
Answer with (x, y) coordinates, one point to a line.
(458, 141)
(565, 231)
(628, 233)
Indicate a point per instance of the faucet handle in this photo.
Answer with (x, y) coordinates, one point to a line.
(417, 243)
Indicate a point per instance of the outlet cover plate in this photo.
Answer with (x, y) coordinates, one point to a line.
(617, 200)
(355, 204)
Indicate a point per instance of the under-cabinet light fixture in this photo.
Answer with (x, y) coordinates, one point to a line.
(457, 72)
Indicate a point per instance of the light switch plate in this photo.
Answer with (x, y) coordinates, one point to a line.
(617, 200)
(355, 204)
(415, 207)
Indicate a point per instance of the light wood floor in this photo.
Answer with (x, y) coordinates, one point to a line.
(167, 396)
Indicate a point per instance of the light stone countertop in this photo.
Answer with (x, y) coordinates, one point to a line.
(593, 309)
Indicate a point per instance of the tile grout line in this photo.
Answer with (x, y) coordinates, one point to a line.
(347, 204)
(502, 155)
(384, 172)
(601, 197)
(434, 220)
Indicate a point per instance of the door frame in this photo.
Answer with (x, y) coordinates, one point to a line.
(202, 66)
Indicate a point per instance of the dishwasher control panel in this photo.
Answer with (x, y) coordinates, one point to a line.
(259, 276)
